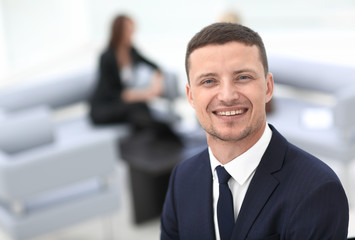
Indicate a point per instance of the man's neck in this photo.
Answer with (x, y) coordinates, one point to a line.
(226, 151)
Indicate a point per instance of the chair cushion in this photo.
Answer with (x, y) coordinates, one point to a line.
(64, 212)
(25, 129)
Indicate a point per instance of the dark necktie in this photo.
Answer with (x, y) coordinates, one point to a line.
(225, 212)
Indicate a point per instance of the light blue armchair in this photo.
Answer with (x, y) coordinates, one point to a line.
(52, 173)
(55, 171)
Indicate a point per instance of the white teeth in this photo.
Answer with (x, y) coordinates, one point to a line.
(230, 113)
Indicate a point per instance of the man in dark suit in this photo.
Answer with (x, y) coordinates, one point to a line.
(250, 183)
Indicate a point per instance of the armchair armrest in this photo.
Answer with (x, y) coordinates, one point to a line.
(25, 129)
(344, 110)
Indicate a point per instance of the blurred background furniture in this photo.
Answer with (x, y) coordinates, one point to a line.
(314, 108)
(150, 168)
(50, 177)
(55, 166)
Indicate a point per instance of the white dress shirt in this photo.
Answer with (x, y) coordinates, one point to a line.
(242, 170)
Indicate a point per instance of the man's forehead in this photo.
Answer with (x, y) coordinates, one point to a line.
(225, 49)
(229, 48)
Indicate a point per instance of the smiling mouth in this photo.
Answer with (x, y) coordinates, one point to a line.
(230, 113)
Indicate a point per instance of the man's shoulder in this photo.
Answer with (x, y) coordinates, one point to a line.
(300, 163)
(195, 160)
(194, 164)
(304, 162)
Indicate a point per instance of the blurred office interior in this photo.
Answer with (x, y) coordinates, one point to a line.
(45, 39)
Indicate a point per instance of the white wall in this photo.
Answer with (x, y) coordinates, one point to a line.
(3, 57)
(51, 35)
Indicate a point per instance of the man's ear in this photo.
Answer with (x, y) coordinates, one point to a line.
(189, 95)
(269, 87)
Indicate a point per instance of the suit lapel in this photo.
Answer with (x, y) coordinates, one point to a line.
(203, 206)
(261, 187)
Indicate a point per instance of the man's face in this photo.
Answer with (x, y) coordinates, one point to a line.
(228, 90)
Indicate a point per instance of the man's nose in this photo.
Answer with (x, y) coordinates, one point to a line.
(228, 92)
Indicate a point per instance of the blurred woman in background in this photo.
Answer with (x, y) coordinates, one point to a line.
(117, 97)
(127, 82)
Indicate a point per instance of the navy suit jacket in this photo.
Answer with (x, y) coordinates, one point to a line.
(292, 196)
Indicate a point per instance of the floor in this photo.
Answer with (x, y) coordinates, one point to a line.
(121, 225)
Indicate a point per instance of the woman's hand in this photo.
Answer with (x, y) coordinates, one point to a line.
(147, 94)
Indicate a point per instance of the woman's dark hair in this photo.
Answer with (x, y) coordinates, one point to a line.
(117, 30)
(221, 33)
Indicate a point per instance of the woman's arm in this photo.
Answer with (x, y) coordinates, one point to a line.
(144, 95)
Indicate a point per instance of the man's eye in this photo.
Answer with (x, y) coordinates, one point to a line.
(244, 77)
(209, 81)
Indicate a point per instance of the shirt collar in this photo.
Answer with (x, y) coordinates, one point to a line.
(242, 167)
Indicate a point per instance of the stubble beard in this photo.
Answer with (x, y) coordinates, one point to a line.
(234, 137)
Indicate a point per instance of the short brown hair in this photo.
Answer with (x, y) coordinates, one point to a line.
(221, 33)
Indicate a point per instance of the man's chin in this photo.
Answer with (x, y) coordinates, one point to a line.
(226, 137)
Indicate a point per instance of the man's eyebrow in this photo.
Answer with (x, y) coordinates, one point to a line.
(245, 70)
(207, 75)
(204, 75)
(212, 74)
